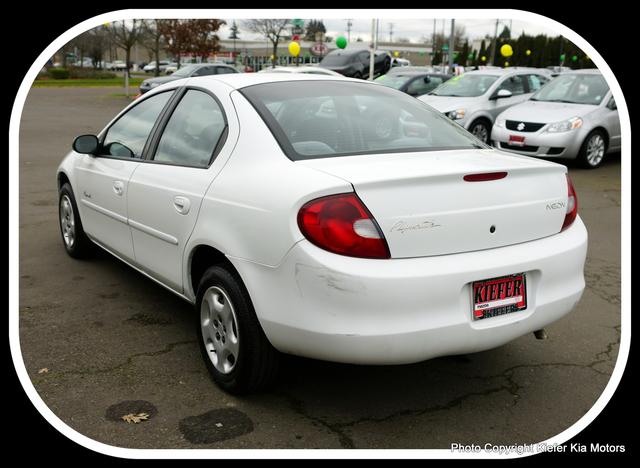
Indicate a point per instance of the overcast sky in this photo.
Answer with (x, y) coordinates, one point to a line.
(413, 29)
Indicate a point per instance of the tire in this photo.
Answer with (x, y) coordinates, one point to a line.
(74, 239)
(236, 351)
(593, 150)
(481, 129)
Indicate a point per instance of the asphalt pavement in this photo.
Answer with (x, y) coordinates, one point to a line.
(100, 340)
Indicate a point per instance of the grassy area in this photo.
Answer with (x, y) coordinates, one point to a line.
(87, 83)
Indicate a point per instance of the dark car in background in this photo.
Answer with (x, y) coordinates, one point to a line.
(193, 69)
(355, 63)
(414, 83)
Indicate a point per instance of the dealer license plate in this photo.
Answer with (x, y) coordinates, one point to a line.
(499, 296)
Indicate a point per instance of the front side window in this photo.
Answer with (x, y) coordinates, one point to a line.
(316, 119)
(536, 82)
(467, 85)
(192, 132)
(128, 135)
(515, 84)
(423, 85)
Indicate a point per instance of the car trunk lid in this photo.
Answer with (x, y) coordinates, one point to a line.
(424, 206)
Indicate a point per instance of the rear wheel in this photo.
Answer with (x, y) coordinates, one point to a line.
(593, 150)
(481, 129)
(75, 241)
(236, 351)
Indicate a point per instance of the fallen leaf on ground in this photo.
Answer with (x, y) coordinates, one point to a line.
(135, 418)
(44, 370)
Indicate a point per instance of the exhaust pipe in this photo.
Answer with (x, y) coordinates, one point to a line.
(541, 334)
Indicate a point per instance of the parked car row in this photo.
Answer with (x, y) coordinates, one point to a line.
(193, 69)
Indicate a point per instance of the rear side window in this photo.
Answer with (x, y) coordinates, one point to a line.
(128, 135)
(317, 119)
(192, 132)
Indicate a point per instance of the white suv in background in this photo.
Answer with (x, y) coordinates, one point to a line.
(475, 98)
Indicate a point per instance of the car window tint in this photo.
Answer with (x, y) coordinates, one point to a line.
(192, 132)
(312, 119)
(419, 87)
(204, 71)
(515, 84)
(128, 135)
(536, 82)
(224, 70)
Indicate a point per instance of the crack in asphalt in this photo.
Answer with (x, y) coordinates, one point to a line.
(167, 349)
(511, 386)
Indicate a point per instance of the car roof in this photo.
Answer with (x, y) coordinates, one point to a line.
(584, 71)
(242, 80)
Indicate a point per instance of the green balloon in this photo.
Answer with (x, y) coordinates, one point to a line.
(562, 56)
(341, 42)
(574, 58)
(470, 56)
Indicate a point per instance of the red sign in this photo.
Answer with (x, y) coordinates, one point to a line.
(319, 49)
(295, 37)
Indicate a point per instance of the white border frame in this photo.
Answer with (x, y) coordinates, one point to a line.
(87, 442)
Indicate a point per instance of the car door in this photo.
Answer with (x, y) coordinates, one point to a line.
(166, 191)
(516, 85)
(102, 180)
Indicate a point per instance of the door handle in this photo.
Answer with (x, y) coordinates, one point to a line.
(118, 187)
(182, 204)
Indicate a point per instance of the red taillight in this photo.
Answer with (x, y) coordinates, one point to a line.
(343, 225)
(572, 205)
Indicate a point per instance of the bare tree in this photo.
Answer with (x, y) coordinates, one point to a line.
(204, 39)
(126, 36)
(152, 40)
(177, 37)
(272, 29)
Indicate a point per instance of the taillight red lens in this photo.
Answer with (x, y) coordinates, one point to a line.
(572, 205)
(343, 225)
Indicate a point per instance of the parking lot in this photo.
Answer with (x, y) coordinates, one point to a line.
(100, 340)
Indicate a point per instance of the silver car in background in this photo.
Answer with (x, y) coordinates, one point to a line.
(474, 99)
(574, 116)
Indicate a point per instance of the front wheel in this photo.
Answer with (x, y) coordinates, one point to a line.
(593, 150)
(236, 351)
(481, 129)
(75, 241)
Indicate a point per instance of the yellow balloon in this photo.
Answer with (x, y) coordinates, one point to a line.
(294, 48)
(506, 64)
(396, 53)
(484, 59)
(506, 50)
(272, 57)
(528, 52)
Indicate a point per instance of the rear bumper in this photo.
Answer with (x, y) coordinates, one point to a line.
(564, 145)
(336, 308)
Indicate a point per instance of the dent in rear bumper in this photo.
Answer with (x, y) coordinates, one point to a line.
(325, 306)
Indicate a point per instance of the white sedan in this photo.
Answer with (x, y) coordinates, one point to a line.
(324, 217)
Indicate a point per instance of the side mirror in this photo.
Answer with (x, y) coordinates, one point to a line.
(612, 105)
(502, 93)
(427, 79)
(86, 144)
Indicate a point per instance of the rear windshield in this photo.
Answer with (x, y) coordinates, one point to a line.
(318, 119)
